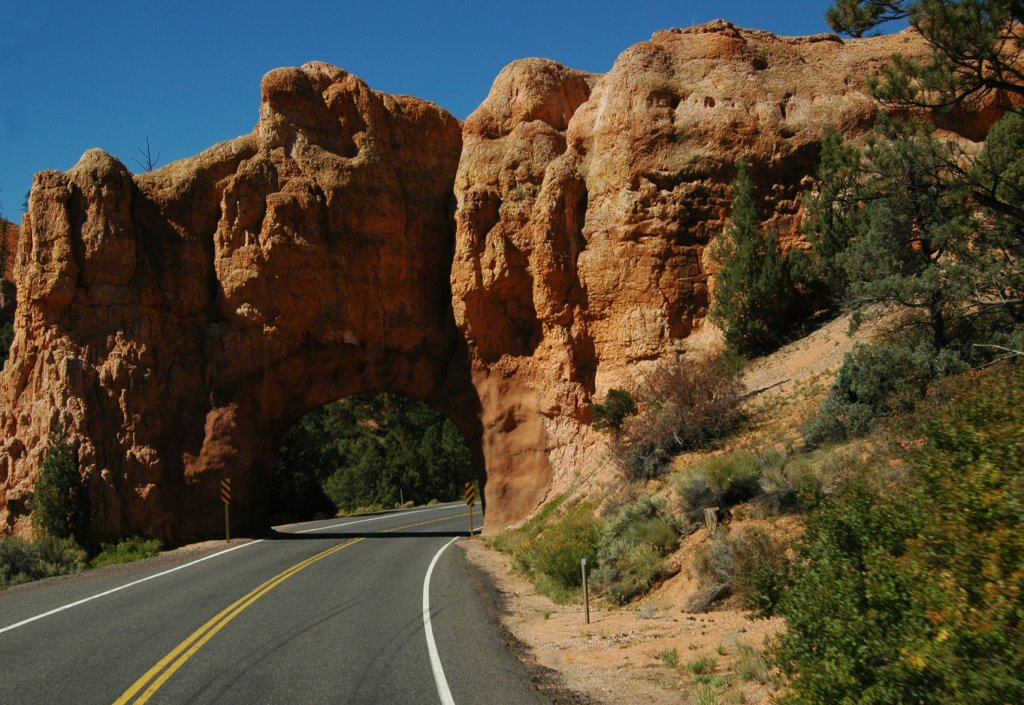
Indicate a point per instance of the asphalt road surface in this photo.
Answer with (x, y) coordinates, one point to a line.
(336, 611)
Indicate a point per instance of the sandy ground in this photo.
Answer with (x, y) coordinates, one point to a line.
(620, 656)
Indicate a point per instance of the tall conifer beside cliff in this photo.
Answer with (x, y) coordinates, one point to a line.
(753, 292)
(60, 505)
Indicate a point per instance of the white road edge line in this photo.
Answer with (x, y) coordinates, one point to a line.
(435, 661)
(124, 587)
(97, 596)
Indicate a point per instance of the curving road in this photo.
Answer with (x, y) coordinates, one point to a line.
(323, 612)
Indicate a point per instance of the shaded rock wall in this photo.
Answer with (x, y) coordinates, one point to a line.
(507, 272)
(9, 233)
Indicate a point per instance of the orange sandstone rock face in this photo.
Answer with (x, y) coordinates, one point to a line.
(581, 250)
(175, 323)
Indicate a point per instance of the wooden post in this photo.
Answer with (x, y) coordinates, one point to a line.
(586, 592)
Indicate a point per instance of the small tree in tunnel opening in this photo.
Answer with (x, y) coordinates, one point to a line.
(367, 450)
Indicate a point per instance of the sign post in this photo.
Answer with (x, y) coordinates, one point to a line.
(470, 501)
(586, 591)
(225, 497)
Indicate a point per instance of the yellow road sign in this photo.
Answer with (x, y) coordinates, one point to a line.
(470, 494)
(225, 490)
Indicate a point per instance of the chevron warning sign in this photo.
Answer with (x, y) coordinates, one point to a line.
(470, 501)
(225, 490)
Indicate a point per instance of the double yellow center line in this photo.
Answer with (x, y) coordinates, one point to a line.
(146, 686)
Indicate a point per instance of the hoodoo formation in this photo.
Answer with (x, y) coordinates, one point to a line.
(506, 270)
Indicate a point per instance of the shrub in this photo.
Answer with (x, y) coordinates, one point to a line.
(750, 563)
(914, 594)
(628, 572)
(126, 550)
(793, 482)
(633, 545)
(365, 509)
(877, 381)
(553, 556)
(719, 481)
(60, 505)
(22, 561)
(618, 405)
(681, 406)
(849, 604)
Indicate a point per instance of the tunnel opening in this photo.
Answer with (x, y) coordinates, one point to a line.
(364, 453)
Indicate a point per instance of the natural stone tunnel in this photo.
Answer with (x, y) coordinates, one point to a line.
(506, 270)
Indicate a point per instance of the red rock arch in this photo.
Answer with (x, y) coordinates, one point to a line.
(177, 322)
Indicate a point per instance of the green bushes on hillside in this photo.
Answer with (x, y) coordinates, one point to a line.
(22, 561)
(913, 591)
(749, 562)
(550, 546)
(633, 545)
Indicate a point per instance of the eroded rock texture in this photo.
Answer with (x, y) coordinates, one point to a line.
(582, 241)
(176, 322)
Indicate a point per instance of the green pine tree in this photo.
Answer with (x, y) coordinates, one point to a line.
(753, 293)
(60, 505)
(975, 49)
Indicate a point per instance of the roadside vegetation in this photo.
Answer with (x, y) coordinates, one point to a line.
(60, 517)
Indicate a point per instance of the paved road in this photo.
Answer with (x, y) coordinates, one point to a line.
(324, 612)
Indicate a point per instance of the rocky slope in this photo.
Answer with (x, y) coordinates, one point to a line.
(175, 323)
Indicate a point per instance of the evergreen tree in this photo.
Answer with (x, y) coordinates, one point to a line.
(975, 48)
(857, 17)
(60, 505)
(753, 293)
(367, 450)
(897, 224)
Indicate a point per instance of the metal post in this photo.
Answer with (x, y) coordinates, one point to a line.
(586, 592)
(471, 521)
(227, 522)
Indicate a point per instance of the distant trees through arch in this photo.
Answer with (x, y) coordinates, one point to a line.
(369, 451)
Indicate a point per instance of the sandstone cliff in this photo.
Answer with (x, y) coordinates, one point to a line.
(174, 323)
(581, 243)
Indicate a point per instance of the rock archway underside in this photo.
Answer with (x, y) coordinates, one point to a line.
(506, 270)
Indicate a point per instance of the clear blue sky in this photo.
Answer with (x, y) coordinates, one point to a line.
(76, 74)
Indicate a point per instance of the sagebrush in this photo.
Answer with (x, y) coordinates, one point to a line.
(681, 405)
